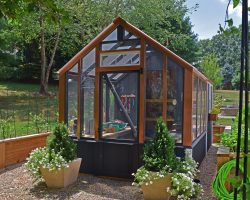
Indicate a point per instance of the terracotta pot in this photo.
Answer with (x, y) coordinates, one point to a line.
(212, 117)
(64, 177)
(157, 190)
(217, 131)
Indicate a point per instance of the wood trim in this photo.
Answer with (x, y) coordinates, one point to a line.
(88, 47)
(119, 68)
(62, 97)
(164, 92)
(78, 130)
(187, 117)
(136, 50)
(142, 96)
(97, 94)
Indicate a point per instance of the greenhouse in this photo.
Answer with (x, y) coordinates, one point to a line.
(113, 91)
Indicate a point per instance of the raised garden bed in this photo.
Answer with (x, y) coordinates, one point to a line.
(217, 132)
(15, 150)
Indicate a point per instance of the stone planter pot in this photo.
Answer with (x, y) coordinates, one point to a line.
(157, 190)
(62, 178)
(217, 132)
(212, 117)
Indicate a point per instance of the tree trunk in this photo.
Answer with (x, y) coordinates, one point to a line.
(52, 57)
(43, 86)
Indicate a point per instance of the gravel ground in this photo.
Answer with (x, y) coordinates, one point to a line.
(15, 183)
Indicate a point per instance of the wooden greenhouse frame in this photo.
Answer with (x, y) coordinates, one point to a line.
(102, 155)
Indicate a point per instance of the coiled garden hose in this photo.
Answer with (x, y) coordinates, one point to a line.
(219, 187)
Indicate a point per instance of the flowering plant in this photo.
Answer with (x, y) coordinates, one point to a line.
(144, 176)
(60, 151)
(184, 187)
(40, 157)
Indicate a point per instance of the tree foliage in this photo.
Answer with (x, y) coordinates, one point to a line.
(45, 34)
(227, 50)
(212, 70)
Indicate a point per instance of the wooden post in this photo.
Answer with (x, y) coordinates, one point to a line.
(142, 94)
(62, 97)
(2, 154)
(188, 105)
(97, 93)
(78, 132)
(164, 92)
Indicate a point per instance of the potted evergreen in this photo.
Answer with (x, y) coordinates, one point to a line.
(163, 174)
(56, 163)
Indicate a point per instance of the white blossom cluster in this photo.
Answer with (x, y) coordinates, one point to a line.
(41, 157)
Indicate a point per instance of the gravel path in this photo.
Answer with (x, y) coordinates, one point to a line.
(15, 183)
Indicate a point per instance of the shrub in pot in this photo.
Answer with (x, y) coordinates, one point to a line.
(57, 163)
(163, 172)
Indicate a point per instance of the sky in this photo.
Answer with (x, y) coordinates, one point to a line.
(210, 14)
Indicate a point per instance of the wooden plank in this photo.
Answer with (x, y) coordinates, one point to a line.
(2, 155)
(113, 51)
(97, 94)
(18, 149)
(164, 88)
(62, 97)
(78, 130)
(188, 104)
(142, 96)
(120, 68)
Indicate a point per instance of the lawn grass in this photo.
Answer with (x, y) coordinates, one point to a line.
(19, 103)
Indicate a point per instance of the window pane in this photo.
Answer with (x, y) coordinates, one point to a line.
(154, 81)
(72, 85)
(175, 76)
(120, 59)
(194, 115)
(119, 106)
(120, 45)
(87, 94)
(199, 109)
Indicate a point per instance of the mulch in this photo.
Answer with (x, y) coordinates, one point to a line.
(15, 183)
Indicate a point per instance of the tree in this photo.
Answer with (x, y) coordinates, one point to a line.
(55, 30)
(211, 69)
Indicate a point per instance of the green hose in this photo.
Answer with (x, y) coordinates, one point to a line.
(219, 183)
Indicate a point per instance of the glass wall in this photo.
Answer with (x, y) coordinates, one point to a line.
(119, 106)
(175, 77)
(87, 94)
(71, 101)
(194, 114)
(154, 86)
(200, 107)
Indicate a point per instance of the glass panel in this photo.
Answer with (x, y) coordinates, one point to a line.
(175, 77)
(72, 88)
(204, 107)
(154, 97)
(121, 45)
(199, 110)
(194, 115)
(124, 35)
(112, 36)
(87, 94)
(119, 108)
(120, 59)
(88, 62)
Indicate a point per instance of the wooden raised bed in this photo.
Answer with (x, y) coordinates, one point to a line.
(15, 150)
(217, 131)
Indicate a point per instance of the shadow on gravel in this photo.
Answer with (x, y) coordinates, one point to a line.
(88, 185)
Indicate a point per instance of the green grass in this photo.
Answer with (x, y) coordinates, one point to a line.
(17, 101)
(229, 97)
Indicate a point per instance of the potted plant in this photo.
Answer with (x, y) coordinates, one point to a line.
(213, 115)
(218, 129)
(217, 103)
(56, 163)
(162, 171)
